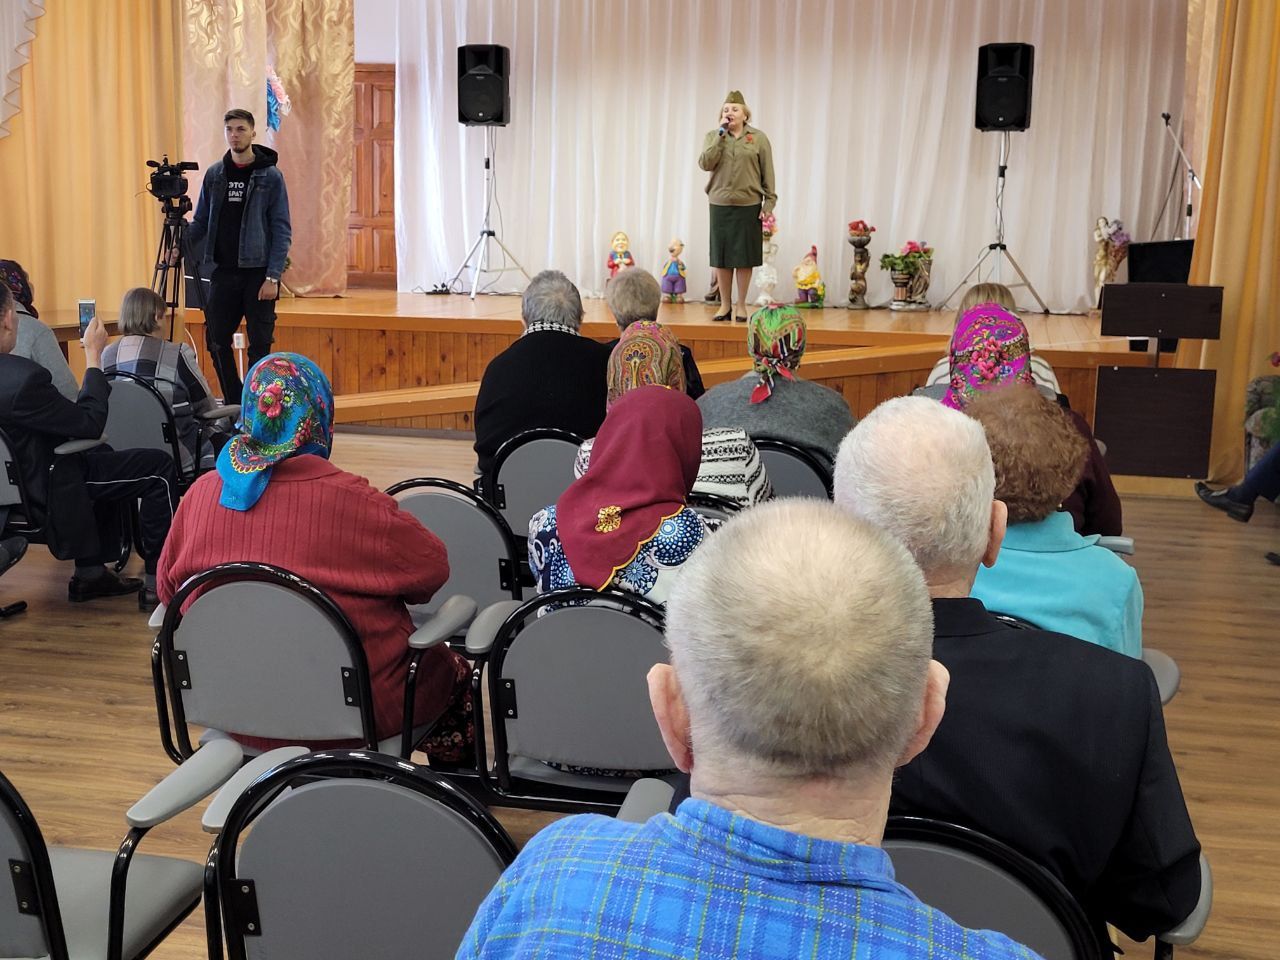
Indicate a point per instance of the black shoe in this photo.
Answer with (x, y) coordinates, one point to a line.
(1221, 501)
(148, 599)
(1273, 558)
(12, 549)
(722, 317)
(739, 319)
(110, 584)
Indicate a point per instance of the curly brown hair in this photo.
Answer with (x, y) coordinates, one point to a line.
(1038, 453)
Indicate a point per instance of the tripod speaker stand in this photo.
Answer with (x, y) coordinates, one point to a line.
(999, 249)
(479, 252)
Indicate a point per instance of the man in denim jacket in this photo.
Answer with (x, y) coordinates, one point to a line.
(243, 213)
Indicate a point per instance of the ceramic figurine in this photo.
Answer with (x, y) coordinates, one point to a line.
(620, 255)
(767, 273)
(673, 275)
(810, 290)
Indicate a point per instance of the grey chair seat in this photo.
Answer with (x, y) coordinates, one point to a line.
(391, 745)
(1167, 673)
(527, 769)
(159, 889)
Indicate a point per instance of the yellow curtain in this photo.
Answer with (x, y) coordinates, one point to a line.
(100, 97)
(227, 46)
(1236, 242)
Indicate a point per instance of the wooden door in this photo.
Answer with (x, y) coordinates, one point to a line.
(371, 228)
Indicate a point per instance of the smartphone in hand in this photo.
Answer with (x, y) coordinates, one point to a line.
(88, 310)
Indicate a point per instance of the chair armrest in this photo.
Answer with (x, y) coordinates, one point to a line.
(78, 446)
(215, 815)
(484, 628)
(156, 621)
(646, 798)
(198, 776)
(1117, 544)
(219, 413)
(453, 616)
(1189, 929)
(1166, 671)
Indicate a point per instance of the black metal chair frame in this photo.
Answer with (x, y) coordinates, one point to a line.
(508, 574)
(504, 793)
(490, 487)
(1088, 941)
(42, 894)
(801, 454)
(712, 501)
(221, 886)
(165, 676)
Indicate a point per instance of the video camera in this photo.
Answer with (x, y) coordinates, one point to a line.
(169, 186)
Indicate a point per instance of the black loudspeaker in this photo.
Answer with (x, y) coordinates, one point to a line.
(1004, 86)
(484, 99)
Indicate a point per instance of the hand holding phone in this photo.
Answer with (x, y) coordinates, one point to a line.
(88, 310)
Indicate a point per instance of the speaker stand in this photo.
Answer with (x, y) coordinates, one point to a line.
(999, 249)
(479, 251)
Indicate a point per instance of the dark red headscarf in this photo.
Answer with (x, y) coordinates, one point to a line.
(643, 464)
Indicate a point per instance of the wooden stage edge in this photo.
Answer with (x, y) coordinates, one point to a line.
(414, 361)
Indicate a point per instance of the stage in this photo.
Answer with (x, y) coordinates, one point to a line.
(415, 360)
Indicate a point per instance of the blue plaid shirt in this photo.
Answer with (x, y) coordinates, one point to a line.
(709, 883)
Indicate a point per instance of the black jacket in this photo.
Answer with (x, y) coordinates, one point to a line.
(1057, 747)
(544, 379)
(37, 418)
(692, 378)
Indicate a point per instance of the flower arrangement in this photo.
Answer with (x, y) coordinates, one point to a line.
(1271, 418)
(860, 228)
(909, 258)
(278, 102)
(769, 225)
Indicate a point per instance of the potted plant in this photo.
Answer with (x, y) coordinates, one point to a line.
(909, 269)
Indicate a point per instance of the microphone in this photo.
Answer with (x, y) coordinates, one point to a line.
(724, 127)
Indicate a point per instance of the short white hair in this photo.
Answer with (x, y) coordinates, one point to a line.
(923, 472)
(801, 638)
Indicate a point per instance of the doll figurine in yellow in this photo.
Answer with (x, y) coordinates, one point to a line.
(673, 275)
(810, 290)
(620, 254)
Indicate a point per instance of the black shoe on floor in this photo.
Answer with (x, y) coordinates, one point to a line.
(12, 550)
(110, 584)
(1220, 501)
(1273, 558)
(148, 599)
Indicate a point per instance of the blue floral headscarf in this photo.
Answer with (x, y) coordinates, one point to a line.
(286, 409)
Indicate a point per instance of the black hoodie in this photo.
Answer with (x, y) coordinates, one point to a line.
(226, 248)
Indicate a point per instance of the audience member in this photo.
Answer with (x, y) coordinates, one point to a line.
(999, 294)
(276, 499)
(81, 502)
(1046, 572)
(789, 708)
(772, 402)
(550, 377)
(633, 295)
(991, 350)
(36, 341)
(1055, 746)
(624, 522)
(1237, 502)
(647, 354)
(173, 370)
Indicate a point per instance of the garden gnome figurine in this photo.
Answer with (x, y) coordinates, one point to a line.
(673, 275)
(620, 254)
(810, 290)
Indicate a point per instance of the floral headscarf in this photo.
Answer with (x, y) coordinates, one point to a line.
(776, 340)
(286, 409)
(16, 279)
(990, 348)
(646, 354)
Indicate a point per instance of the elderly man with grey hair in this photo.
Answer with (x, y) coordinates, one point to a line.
(800, 677)
(550, 377)
(1051, 744)
(634, 295)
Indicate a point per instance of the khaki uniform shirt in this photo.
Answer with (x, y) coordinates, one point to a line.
(741, 169)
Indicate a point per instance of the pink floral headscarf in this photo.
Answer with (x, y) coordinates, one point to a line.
(990, 348)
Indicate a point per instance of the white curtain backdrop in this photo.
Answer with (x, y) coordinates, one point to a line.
(17, 30)
(869, 106)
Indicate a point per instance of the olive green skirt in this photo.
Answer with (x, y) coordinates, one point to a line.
(736, 237)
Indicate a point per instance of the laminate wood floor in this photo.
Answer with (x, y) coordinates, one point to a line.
(78, 733)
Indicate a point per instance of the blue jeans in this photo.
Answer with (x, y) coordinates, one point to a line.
(1262, 481)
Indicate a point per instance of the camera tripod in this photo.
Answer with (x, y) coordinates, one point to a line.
(171, 258)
